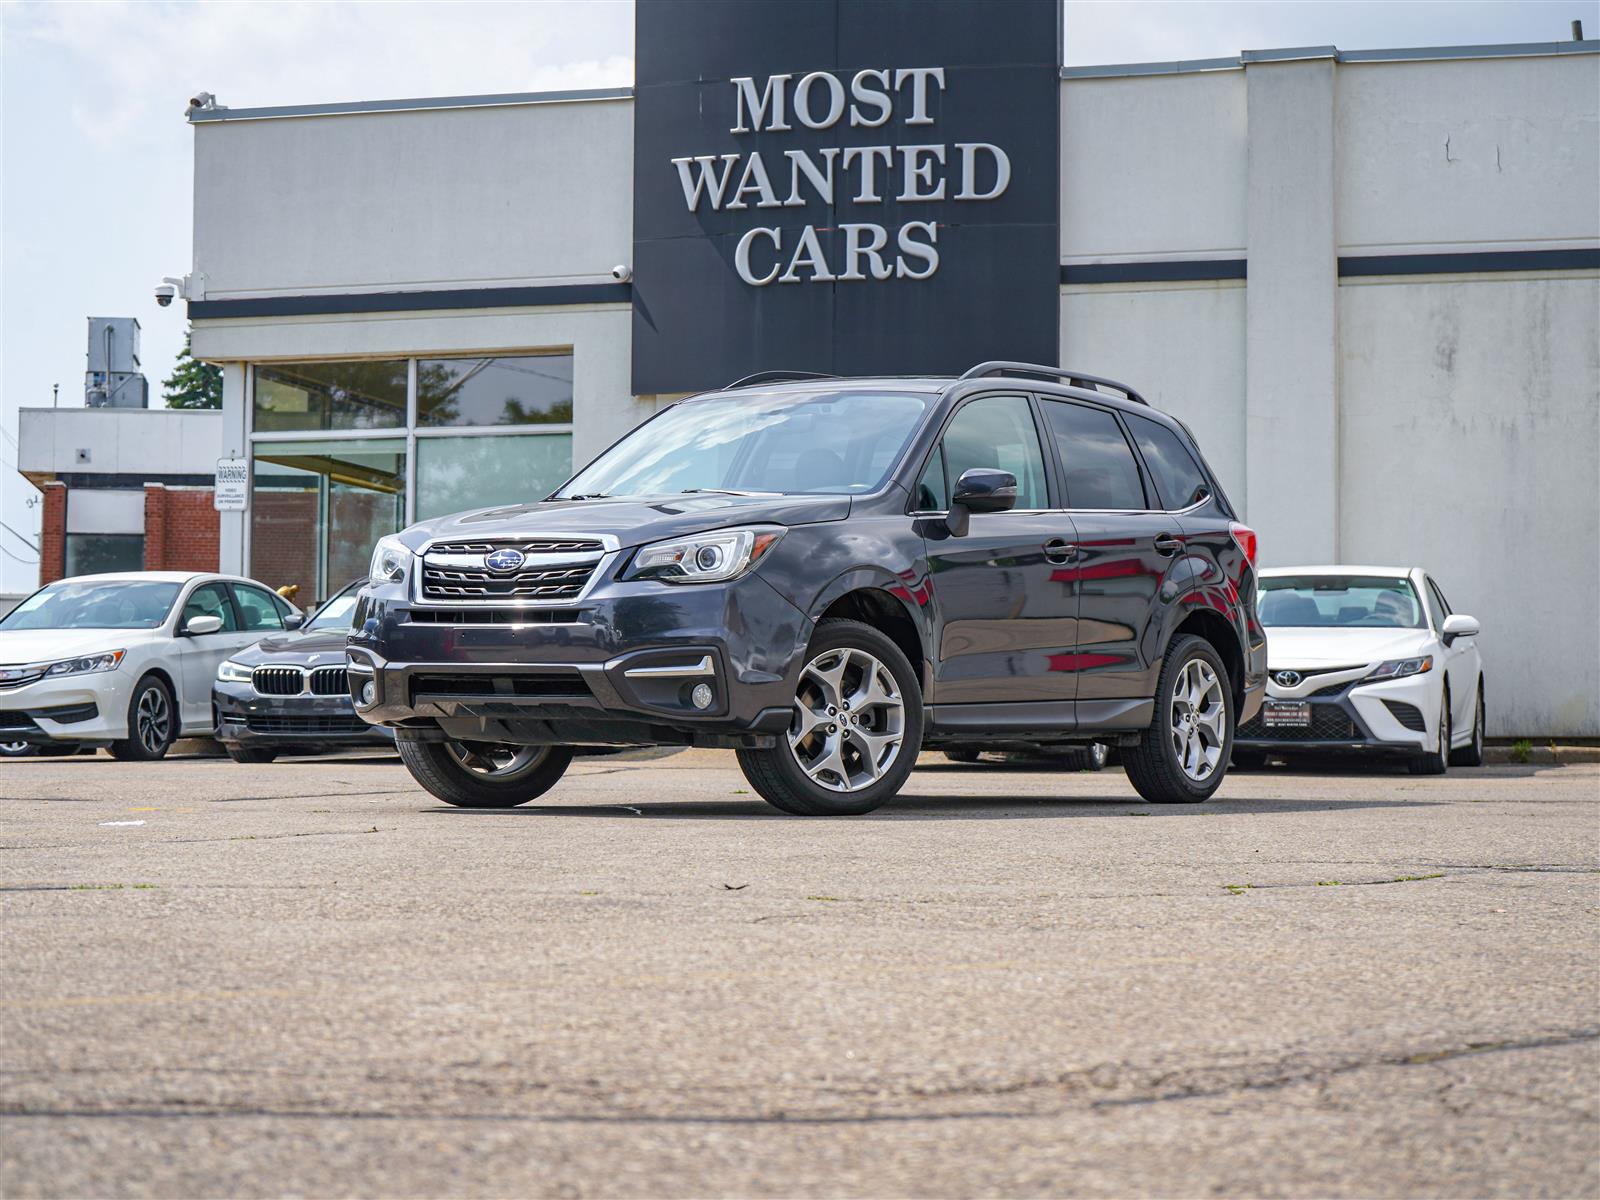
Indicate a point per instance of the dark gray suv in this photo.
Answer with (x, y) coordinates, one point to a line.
(828, 575)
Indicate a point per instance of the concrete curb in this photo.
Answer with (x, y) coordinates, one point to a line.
(1550, 754)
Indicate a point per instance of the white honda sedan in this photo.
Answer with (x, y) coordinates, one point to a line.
(1366, 659)
(126, 661)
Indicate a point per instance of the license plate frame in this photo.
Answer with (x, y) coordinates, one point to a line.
(1286, 714)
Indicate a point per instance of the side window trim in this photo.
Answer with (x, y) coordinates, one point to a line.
(1045, 454)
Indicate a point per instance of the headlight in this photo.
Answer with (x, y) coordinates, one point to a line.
(390, 558)
(233, 672)
(1399, 668)
(85, 665)
(704, 558)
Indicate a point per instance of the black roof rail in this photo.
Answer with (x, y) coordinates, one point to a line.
(774, 376)
(1074, 378)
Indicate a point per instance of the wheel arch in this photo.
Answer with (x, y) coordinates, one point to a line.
(1216, 629)
(875, 602)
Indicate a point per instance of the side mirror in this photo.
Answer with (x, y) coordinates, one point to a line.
(982, 489)
(205, 623)
(294, 620)
(1458, 625)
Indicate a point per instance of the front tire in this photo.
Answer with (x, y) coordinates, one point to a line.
(152, 723)
(1437, 761)
(1471, 755)
(484, 775)
(250, 755)
(1183, 755)
(856, 729)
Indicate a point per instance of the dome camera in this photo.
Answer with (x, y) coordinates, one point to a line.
(622, 273)
(165, 293)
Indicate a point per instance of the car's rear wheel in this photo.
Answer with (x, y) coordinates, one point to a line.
(855, 732)
(1183, 755)
(1249, 760)
(1471, 755)
(484, 774)
(250, 754)
(152, 723)
(1092, 757)
(1437, 760)
(963, 754)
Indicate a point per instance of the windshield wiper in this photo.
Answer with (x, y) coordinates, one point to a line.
(587, 496)
(724, 492)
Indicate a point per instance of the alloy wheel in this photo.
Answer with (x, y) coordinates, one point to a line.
(1199, 724)
(849, 720)
(152, 719)
(490, 761)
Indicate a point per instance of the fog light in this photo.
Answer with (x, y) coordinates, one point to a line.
(369, 692)
(702, 695)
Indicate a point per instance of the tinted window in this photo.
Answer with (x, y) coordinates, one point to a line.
(997, 432)
(528, 390)
(1178, 477)
(210, 601)
(257, 608)
(931, 493)
(1097, 464)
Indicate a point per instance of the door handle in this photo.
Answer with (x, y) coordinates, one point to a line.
(1166, 544)
(1059, 550)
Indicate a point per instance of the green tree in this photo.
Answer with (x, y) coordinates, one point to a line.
(193, 384)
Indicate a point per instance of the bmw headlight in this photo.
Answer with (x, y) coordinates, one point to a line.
(704, 558)
(88, 664)
(1399, 668)
(390, 560)
(233, 672)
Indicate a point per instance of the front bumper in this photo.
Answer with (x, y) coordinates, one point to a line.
(619, 668)
(1397, 716)
(90, 709)
(247, 718)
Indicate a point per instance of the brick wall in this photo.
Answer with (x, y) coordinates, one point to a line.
(181, 529)
(53, 533)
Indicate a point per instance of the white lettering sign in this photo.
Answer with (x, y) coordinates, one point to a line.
(232, 491)
(914, 170)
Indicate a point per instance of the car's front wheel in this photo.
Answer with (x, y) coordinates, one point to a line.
(1437, 760)
(1471, 755)
(1183, 755)
(855, 732)
(15, 749)
(484, 774)
(152, 723)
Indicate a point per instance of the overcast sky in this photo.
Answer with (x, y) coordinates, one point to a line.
(96, 153)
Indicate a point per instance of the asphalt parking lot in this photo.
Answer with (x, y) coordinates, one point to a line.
(311, 979)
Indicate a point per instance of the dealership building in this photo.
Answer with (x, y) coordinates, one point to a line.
(1369, 281)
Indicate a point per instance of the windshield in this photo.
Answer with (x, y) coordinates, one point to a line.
(786, 442)
(335, 611)
(1344, 601)
(107, 604)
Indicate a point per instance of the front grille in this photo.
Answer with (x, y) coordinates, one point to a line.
(526, 545)
(1408, 715)
(17, 722)
(494, 616)
(329, 681)
(322, 724)
(1329, 723)
(540, 583)
(278, 681)
(1335, 689)
(15, 679)
(553, 685)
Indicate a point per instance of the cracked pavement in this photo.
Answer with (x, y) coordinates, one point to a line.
(310, 979)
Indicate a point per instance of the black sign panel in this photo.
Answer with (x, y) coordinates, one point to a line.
(857, 187)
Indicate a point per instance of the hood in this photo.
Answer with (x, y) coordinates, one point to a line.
(1294, 647)
(296, 647)
(19, 646)
(633, 520)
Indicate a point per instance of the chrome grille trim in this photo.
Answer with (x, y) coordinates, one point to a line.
(452, 574)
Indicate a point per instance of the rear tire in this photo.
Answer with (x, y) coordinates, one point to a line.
(152, 723)
(1436, 762)
(1471, 755)
(482, 775)
(242, 754)
(1249, 760)
(963, 754)
(844, 665)
(1194, 716)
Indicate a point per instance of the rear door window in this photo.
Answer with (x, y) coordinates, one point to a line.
(257, 608)
(1097, 464)
(1178, 477)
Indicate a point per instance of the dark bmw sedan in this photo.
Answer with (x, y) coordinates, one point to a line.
(288, 694)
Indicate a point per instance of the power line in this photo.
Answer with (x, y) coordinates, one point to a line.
(27, 562)
(19, 537)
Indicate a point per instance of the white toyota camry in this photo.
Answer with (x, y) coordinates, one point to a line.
(126, 661)
(1366, 659)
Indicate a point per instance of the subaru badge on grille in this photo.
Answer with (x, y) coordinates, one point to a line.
(502, 561)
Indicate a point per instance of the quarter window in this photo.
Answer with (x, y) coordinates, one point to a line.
(257, 609)
(1178, 477)
(932, 496)
(997, 432)
(1437, 608)
(1097, 464)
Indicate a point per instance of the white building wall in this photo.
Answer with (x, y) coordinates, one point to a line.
(118, 441)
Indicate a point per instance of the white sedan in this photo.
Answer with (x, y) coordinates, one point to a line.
(126, 661)
(1366, 659)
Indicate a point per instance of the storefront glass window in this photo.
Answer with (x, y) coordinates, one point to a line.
(457, 473)
(317, 507)
(330, 395)
(526, 390)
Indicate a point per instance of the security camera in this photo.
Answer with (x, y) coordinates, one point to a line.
(205, 100)
(165, 294)
(622, 273)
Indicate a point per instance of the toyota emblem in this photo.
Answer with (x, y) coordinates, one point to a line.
(1287, 678)
(502, 561)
